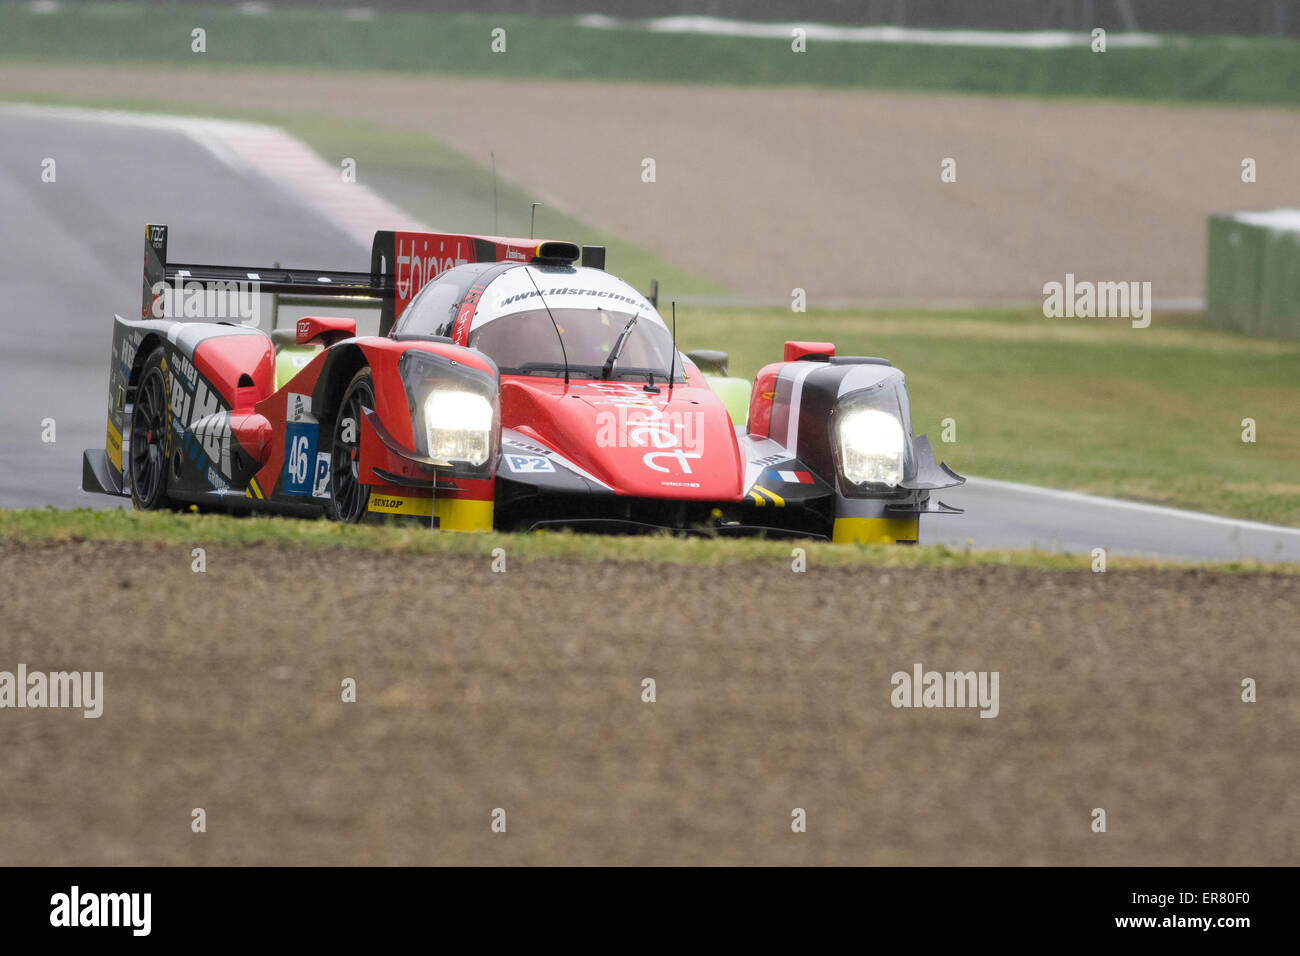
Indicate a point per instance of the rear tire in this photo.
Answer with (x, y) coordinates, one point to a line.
(348, 496)
(150, 436)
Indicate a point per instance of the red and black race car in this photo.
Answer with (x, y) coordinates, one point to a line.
(514, 384)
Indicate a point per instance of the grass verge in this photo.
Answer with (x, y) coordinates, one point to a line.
(1214, 69)
(52, 526)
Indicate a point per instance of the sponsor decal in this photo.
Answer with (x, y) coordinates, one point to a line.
(127, 346)
(677, 436)
(510, 446)
(216, 481)
(635, 426)
(183, 367)
(398, 505)
(789, 477)
(525, 464)
(114, 445)
(300, 462)
(182, 402)
(535, 449)
(683, 459)
(200, 419)
(190, 406)
(574, 291)
(320, 487)
(211, 436)
(633, 422)
(416, 266)
(298, 408)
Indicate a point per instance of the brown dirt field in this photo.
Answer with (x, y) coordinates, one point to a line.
(836, 192)
(522, 691)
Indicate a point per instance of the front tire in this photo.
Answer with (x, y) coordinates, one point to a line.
(348, 496)
(149, 436)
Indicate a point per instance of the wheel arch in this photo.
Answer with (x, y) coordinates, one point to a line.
(341, 364)
(151, 341)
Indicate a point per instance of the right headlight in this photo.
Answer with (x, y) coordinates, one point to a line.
(871, 445)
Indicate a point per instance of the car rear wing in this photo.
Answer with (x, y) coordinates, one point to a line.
(297, 286)
(401, 263)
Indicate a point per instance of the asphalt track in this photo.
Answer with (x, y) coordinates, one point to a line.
(70, 258)
(1001, 514)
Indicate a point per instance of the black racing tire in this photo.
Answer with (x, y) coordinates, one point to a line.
(348, 496)
(150, 436)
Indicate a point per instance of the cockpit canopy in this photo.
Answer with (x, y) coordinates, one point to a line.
(526, 311)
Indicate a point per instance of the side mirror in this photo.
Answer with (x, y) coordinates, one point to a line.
(814, 351)
(324, 330)
(709, 360)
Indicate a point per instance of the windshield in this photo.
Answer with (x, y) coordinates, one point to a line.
(525, 344)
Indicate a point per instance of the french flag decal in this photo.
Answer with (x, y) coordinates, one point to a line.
(789, 477)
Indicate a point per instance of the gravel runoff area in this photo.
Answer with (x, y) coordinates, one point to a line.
(523, 690)
(837, 192)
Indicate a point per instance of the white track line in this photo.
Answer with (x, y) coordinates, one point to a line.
(718, 26)
(1078, 497)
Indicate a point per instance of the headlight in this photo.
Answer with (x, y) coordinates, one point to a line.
(872, 446)
(458, 425)
(455, 416)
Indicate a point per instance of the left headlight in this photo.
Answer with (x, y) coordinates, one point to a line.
(455, 411)
(871, 446)
(458, 426)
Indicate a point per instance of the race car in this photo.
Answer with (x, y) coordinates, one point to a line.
(514, 385)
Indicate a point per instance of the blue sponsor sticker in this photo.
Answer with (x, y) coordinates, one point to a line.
(300, 457)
